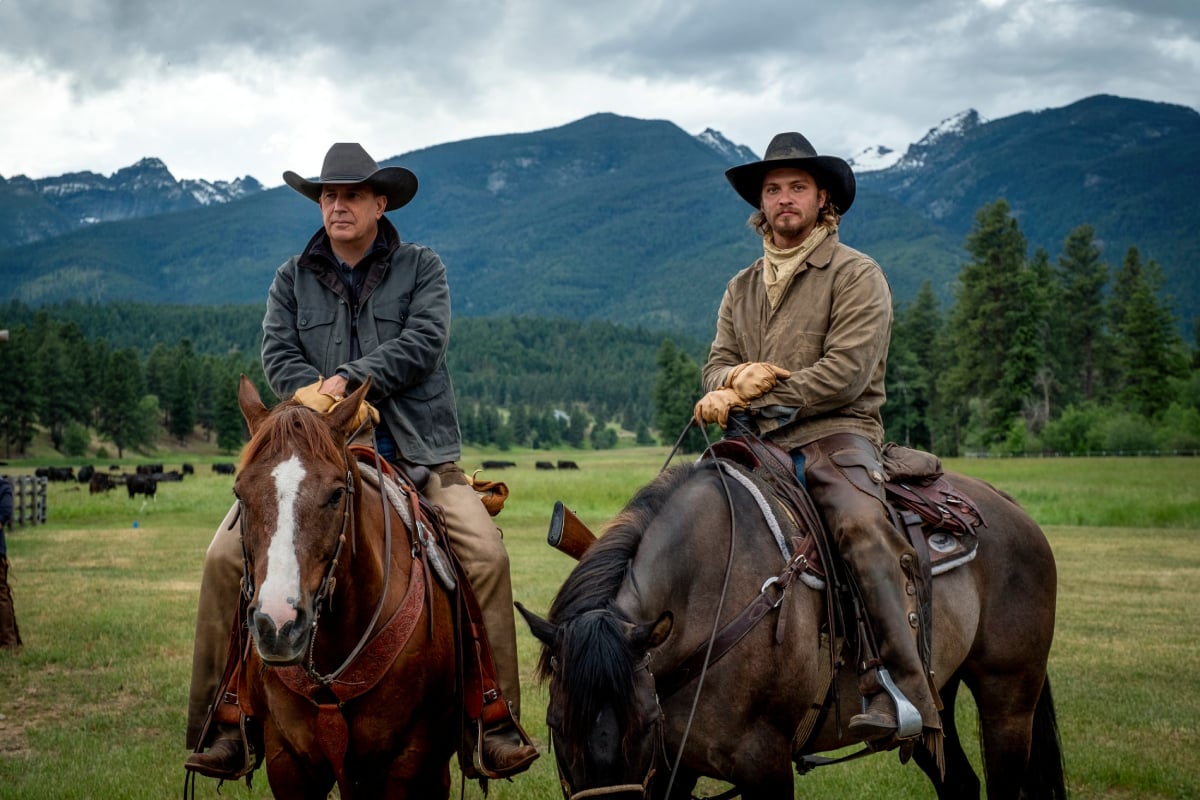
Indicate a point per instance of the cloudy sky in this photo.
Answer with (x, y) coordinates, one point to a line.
(218, 89)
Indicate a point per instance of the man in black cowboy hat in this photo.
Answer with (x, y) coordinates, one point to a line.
(801, 344)
(359, 303)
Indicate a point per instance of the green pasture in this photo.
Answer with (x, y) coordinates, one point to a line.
(105, 592)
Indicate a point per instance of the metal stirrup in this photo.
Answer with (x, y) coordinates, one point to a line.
(908, 719)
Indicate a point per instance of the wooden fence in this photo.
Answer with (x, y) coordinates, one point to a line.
(29, 499)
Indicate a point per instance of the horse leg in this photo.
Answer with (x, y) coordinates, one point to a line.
(288, 777)
(1006, 704)
(960, 780)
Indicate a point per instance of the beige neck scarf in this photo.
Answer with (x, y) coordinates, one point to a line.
(780, 266)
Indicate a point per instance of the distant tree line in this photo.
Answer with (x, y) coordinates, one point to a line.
(1065, 356)
(519, 381)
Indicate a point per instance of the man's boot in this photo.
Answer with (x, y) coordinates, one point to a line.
(225, 759)
(505, 752)
(882, 584)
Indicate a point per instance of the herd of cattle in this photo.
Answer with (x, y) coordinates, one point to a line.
(562, 464)
(143, 481)
(147, 477)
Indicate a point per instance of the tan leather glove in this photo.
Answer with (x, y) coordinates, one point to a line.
(309, 396)
(754, 378)
(716, 405)
(365, 410)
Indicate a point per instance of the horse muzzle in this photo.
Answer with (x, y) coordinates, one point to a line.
(279, 645)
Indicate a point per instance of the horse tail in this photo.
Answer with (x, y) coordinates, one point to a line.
(1045, 776)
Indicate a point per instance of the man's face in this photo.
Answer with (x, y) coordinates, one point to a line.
(791, 202)
(352, 213)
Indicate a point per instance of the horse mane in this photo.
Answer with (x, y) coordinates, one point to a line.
(291, 424)
(601, 669)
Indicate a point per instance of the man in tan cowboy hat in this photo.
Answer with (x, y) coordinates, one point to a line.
(801, 345)
(359, 303)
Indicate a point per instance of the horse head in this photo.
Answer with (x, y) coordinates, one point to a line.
(296, 491)
(603, 714)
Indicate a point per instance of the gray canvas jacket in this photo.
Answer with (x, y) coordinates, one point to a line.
(403, 324)
(831, 330)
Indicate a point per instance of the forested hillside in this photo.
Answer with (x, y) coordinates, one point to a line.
(631, 221)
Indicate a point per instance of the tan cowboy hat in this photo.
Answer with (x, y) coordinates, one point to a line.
(793, 150)
(347, 163)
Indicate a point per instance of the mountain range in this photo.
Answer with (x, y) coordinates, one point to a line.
(626, 220)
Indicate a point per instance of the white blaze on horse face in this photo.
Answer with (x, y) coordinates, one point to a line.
(281, 589)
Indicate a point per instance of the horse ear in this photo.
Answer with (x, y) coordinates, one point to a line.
(542, 630)
(252, 405)
(348, 414)
(647, 637)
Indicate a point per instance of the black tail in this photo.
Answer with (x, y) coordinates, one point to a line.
(1045, 776)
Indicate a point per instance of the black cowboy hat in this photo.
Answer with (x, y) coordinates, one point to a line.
(347, 163)
(793, 150)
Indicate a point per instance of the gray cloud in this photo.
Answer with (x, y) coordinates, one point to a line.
(850, 73)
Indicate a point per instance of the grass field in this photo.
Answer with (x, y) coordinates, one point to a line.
(105, 592)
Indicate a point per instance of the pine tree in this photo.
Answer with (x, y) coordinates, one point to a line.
(1079, 317)
(1150, 351)
(676, 390)
(994, 330)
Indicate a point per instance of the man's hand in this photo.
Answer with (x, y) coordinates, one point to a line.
(314, 398)
(716, 405)
(754, 379)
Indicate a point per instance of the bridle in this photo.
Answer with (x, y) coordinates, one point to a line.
(329, 580)
(642, 788)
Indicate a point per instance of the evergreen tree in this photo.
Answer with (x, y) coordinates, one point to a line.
(994, 331)
(228, 421)
(913, 364)
(18, 411)
(121, 395)
(182, 398)
(1150, 351)
(577, 425)
(676, 391)
(1078, 322)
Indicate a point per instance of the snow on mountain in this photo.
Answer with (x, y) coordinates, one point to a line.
(732, 153)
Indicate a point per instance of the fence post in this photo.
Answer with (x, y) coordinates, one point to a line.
(29, 500)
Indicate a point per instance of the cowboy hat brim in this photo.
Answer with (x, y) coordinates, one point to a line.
(832, 173)
(398, 184)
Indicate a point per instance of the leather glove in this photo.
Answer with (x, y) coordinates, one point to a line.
(716, 405)
(309, 396)
(754, 379)
(365, 410)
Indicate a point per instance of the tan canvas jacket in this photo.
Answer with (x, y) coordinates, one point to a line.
(831, 330)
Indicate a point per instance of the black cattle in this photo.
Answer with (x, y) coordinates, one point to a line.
(141, 484)
(498, 464)
(544, 465)
(567, 465)
(149, 469)
(85, 473)
(224, 468)
(174, 476)
(100, 482)
(55, 473)
(188, 469)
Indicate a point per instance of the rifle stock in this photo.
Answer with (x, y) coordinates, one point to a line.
(567, 534)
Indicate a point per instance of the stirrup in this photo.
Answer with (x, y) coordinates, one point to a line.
(908, 719)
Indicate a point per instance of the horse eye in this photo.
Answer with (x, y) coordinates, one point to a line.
(554, 663)
(335, 498)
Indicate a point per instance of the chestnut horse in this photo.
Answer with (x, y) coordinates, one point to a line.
(352, 669)
(691, 551)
